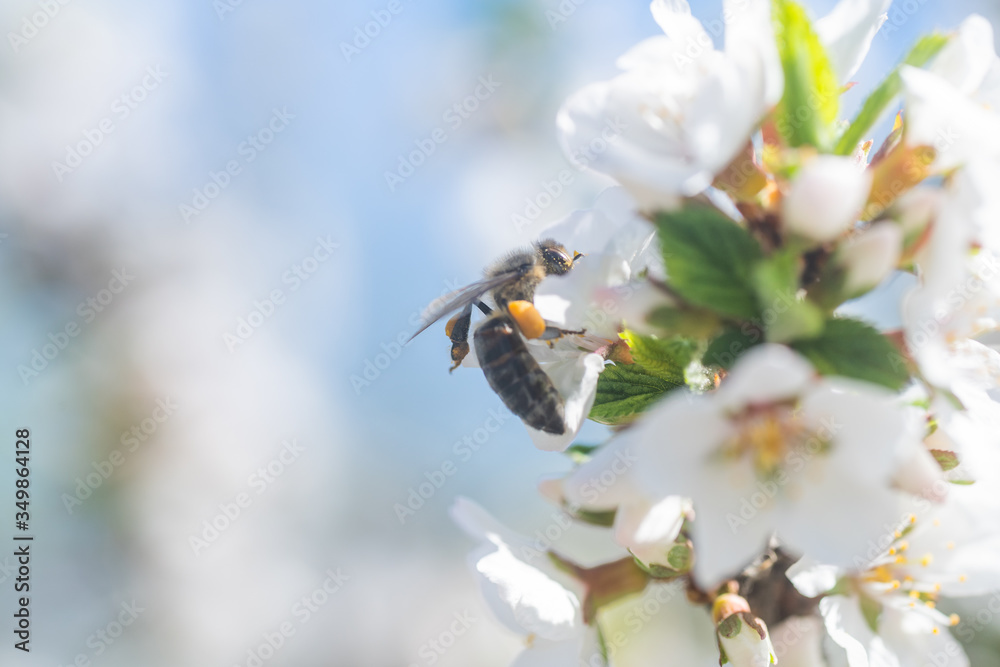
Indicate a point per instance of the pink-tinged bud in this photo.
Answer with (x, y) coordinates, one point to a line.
(870, 256)
(826, 198)
(743, 638)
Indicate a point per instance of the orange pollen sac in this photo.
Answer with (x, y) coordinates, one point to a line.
(528, 318)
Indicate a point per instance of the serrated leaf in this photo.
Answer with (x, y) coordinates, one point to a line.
(729, 346)
(851, 348)
(626, 391)
(666, 357)
(880, 98)
(709, 260)
(808, 109)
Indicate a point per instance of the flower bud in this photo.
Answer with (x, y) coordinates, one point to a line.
(743, 638)
(869, 257)
(826, 198)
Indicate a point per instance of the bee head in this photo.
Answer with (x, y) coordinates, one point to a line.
(555, 258)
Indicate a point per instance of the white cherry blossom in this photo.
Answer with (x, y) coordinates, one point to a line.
(771, 452)
(686, 109)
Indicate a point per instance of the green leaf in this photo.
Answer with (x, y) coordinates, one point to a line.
(709, 260)
(873, 108)
(666, 357)
(947, 460)
(808, 109)
(693, 323)
(851, 348)
(624, 391)
(729, 346)
(786, 317)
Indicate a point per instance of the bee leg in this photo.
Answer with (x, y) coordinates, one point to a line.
(553, 333)
(483, 307)
(457, 331)
(529, 320)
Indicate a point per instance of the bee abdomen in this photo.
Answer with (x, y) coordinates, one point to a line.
(517, 378)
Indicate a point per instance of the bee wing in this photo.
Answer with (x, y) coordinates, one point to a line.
(460, 299)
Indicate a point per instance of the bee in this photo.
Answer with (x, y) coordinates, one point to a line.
(500, 340)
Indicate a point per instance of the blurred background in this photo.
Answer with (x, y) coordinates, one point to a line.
(214, 236)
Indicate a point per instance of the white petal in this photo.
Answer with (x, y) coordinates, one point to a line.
(847, 627)
(871, 256)
(480, 525)
(940, 117)
(911, 637)
(750, 35)
(649, 529)
(764, 374)
(967, 58)
(674, 17)
(605, 481)
(798, 642)
(812, 578)
(825, 198)
(576, 381)
(847, 33)
(525, 599)
(581, 649)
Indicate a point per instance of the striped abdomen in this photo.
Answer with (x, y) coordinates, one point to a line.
(516, 377)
